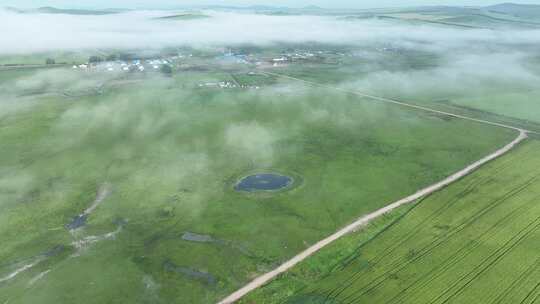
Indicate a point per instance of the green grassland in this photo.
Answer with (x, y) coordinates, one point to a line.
(253, 79)
(66, 57)
(522, 105)
(519, 107)
(351, 68)
(475, 241)
(162, 155)
(414, 76)
(516, 106)
(171, 152)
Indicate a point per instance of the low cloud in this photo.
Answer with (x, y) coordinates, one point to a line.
(26, 33)
(251, 141)
(459, 75)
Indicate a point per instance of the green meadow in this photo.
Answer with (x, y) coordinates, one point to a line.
(125, 136)
(475, 241)
(157, 157)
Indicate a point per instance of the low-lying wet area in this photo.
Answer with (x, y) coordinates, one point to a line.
(263, 182)
(208, 239)
(80, 220)
(198, 238)
(77, 222)
(190, 273)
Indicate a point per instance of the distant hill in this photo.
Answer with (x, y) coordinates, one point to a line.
(13, 9)
(439, 9)
(54, 10)
(489, 22)
(265, 8)
(185, 16)
(517, 10)
(313, 7)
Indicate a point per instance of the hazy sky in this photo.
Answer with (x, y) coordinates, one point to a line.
(291, 3)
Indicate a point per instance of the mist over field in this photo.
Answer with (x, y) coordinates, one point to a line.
(464, 57)
(92, 119)
(457, 74)
(139, 29)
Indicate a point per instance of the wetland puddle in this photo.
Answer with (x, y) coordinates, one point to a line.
(80, 220)
(263, 182)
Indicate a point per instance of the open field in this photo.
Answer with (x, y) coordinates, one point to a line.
(170, 152)
(40, 58)
(366, 219)
(429, 78)
(506, 104)
(474, 240)
(133, 149)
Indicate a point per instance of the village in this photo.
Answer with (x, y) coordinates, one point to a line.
(226, 58)
(135, 65)
(221, 56)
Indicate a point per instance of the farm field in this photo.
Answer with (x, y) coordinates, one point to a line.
(158, 156)
(511, 99)
(507, 102)
(520, 105)
(513, 106)
(475, 241)
(40, 58)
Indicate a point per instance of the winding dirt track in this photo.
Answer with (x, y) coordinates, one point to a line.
(362, 221)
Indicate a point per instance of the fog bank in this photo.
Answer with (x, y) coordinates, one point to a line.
(26, 33)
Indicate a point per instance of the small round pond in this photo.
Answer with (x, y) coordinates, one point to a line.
(263, 182)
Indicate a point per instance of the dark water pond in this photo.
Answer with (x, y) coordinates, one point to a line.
(263, 182)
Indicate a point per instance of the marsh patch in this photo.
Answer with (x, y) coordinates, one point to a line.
(202, 238)
(77, 222)
(190, 273)
(263, 182)
(198, 238)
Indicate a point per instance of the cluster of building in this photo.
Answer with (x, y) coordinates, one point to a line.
(280, 61)
(230, 57)
(284, 59)
(298, 56)
(221, 84)
(392, 49)
(136, 65)
(226, 85)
